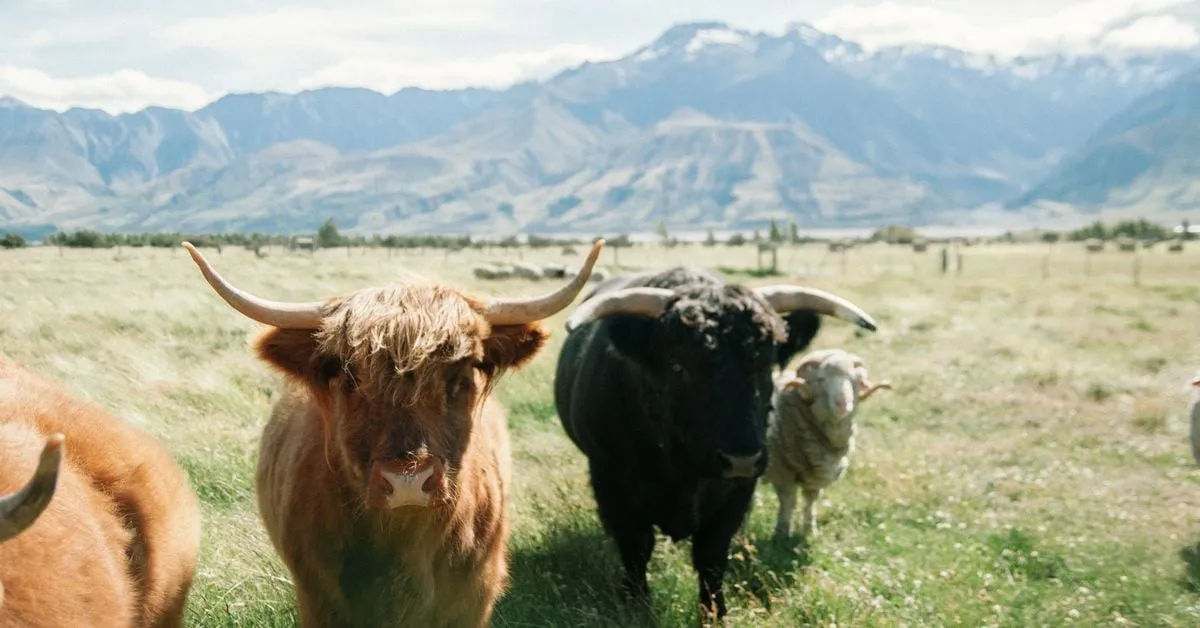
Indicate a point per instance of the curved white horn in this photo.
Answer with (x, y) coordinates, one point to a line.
(521, 310)
(648, 302)
(19, 510)
(275, 313)
(784, 298)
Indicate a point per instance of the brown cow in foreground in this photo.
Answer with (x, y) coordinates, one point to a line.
(69, 568)
(118, 542)
(383, 471)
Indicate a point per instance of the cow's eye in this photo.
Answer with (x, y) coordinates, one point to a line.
(461, 382)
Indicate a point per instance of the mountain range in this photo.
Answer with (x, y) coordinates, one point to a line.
(708, 125)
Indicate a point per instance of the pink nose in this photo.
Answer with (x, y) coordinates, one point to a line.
(396, 483)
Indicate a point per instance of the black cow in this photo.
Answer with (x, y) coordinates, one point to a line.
(664, 382)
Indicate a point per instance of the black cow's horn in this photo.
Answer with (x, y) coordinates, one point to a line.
(19, 510)
(648, 302)
(784, 298)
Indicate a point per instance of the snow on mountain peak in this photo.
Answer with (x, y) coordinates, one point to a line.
(692, 39)
(711, 37)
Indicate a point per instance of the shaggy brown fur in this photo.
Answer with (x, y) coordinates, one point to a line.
(68, 568)
(394, 374)
(119, 475)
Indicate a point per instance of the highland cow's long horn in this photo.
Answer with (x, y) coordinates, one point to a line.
(518, 311)
(784, 298)
(275, 313)
(19, 510)
(647, 302)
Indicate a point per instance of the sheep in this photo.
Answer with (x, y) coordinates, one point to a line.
(492, 271)
(526, 270)
(1195, 412)
(485, 271)
(810, 432)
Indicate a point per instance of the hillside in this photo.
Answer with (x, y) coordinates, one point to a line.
(706, 125)
(1145, 158)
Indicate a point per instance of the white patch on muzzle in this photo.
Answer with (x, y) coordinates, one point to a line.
(408, 488)
(839, 392)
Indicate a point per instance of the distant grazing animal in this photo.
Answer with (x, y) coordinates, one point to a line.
(526, 270)
(492, 271)
(810, 436)
(1195, 416)
(1093, 245)
(598, 274)
(485, 271)
(554, 271)
(123, 529)
(664, 383)
(384, 469)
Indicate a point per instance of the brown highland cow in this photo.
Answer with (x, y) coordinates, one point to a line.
(116, 543)
(383, 472)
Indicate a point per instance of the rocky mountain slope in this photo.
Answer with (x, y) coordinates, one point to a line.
(1145, 158)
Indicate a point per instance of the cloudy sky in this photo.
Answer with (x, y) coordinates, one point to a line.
(121, 55)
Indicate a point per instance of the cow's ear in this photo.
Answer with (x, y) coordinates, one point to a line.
(296, 353)
(802, 327)
(513, 346)
(633, 336)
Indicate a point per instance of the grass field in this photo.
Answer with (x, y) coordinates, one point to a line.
(1030, 467)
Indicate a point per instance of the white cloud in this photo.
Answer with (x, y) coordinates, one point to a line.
(388, 73)
(1159, 31)
(284, 31)
(118, 92)
(1082, 26)
(36, 39)
(181, 53)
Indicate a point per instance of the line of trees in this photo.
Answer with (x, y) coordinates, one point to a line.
(328, 236)
(1140, 229)
(12, 241)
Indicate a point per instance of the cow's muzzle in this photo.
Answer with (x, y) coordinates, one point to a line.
(751, 466)
(406, 482)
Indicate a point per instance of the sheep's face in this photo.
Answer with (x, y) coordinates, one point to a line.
(834, 381)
